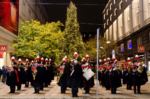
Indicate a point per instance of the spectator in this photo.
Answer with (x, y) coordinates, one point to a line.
(0, 73)
(4, 72)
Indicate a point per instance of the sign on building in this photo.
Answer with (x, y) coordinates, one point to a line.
(3, 48)
(141, 48)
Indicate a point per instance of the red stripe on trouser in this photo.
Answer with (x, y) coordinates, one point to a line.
(84, 82)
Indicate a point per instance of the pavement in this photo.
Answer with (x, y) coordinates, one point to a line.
(53, 92)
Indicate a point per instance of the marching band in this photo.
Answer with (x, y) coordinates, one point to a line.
(111, 75)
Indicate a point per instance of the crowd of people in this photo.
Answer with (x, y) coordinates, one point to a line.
(132, 73)
(39, 74)
(111, 75)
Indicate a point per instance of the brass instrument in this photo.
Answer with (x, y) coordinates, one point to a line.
(60, 74)
(129, 67)
(34, 75)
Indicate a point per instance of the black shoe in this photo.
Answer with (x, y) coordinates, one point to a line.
(139, 93)
(76, 95)
(134, 92)
(10, 92)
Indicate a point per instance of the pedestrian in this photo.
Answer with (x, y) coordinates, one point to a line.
(88, 83)
(0, 73)
(75, 77)
(28, 74)
(35, 80)
(61, 79)
(139, 76)
(4, 72)
(12, 79)
(112, 78)
(21, 74)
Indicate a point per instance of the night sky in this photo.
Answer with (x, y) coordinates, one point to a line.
(91, 13)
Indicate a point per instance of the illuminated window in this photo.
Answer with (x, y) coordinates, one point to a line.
(111, 17)
(139, 41)
(115, 12)
(129, 44)
(114, 1)
(107, 21)
(110, 6)
(117, 51)
(107, 11)
(104, 25)
(122, 47)
(120, 5)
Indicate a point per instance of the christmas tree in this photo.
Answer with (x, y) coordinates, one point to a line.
(72, 40)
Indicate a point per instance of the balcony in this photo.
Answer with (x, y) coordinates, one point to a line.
(136, 28)
(127, 33)
(147, 21)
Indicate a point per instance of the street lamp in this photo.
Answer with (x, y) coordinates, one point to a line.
(108, 47)
(101, 51)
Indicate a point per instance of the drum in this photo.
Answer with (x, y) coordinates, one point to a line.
(88, 73)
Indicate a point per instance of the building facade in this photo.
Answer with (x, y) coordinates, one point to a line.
(13, 13)
(127, 23)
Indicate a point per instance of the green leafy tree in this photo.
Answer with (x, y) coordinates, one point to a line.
(91, 48)
(34, 37)
(72, 40)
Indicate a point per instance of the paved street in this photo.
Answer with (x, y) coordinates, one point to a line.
(53, 91)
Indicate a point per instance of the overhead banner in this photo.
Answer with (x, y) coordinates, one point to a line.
(9, 15)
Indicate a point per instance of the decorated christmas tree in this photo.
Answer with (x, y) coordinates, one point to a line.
(72, 39)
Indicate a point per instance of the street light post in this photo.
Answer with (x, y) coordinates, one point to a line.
(108, 48)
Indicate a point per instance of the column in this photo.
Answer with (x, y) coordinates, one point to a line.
(117, 29)
(108, 34)
(141, 13)
(131, 20)
(112, 33)
(123, 25)
(146, 59)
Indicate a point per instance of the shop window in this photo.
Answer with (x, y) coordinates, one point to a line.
(129, 44)
(139, 41)
(122, 47)
(117, 51)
